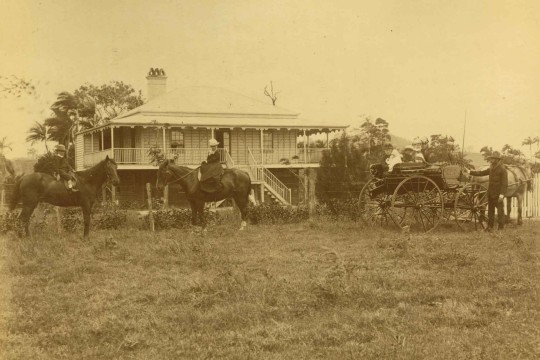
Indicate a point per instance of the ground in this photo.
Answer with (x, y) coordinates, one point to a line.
(318, 289)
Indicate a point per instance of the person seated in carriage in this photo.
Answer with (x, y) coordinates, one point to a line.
(392, 156)
(420, 145)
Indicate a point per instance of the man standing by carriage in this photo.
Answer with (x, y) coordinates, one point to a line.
(498, 184)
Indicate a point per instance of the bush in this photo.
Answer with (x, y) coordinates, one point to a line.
(71, 218)
(176, 219)
(110, 216)
(270, 213)
(9, 222)
(340, 209)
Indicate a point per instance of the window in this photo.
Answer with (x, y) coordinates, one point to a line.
(268, 139)
(177, 139)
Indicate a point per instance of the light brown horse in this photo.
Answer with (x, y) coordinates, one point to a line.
(520, 180)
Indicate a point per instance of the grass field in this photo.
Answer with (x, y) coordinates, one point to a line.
(320, 289)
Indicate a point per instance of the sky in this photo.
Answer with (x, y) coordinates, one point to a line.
(427, 67)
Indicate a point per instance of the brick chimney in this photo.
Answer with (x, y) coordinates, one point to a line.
(157, 83)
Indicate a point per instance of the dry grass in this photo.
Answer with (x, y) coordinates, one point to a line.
(313, 290)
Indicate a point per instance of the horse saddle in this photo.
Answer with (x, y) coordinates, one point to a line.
(209, 176)
(74, 183)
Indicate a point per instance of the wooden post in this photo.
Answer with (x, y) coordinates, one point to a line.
(262, 193)
(311, 195)
(164, 143)
(262, 146)
(112, 142)
(306, 195)
(103, 194)
(3, 198)
(166, 197)
(113, 194)
(305, 146)
(58, 219)
(150, 215)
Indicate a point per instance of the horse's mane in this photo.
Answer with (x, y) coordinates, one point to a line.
(96, 169)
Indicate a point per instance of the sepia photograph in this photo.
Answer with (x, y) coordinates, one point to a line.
(250, 179)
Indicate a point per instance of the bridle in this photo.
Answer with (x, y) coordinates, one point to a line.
(169, 173)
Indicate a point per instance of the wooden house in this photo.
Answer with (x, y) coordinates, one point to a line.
(253, 135)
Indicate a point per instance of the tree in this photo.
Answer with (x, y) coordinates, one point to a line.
(16, 86)
(443, 149)
(88, 107)
(38, 133)
(343, 170)
(4, 145)
(272, 95)
(32, 153)
(373, 136)
(99, 104)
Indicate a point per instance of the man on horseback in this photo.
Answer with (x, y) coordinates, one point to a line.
(63, 170)
(498, 183)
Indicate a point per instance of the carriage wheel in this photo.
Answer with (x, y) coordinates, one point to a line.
(470, 207)
(421, 195)
(375, 210)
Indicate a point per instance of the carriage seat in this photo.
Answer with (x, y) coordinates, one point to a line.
(409, 167)
(451, 174)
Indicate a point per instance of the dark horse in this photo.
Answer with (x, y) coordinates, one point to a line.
(41, 187)
(519, 181)
(235, 183)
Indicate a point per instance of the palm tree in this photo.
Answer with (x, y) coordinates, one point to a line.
(529, 141)
(4, 145)
(37, 133)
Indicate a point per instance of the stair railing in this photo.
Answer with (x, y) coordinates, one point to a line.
(271, 181)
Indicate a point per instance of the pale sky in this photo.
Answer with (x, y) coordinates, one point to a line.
(421, 65)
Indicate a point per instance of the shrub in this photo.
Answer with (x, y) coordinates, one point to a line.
(176, 219)
(340, 209)
(71, 218)
(9, 222)
(110, 216)
(270, 213)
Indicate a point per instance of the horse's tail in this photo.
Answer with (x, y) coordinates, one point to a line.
(14, 200)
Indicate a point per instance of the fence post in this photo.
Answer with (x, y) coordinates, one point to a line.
(3, 198)
(58, 219)
(103, 194)
(311, 196)
(150, 215)
(113, 194)
(166, 197)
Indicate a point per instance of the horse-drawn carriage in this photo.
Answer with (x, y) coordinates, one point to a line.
(421, 196)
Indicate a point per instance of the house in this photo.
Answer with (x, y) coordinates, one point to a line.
(253, 135)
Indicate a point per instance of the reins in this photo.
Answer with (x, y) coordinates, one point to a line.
(180, 178)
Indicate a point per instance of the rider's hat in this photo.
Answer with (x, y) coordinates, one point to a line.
(60, 147)
(213, 142)
(495, 155)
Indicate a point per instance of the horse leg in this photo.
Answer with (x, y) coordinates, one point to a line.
(520, 204)
(193, 213)
(26, 213)
(200, 211)
(86, 216)
(242, 203)
(508, 209)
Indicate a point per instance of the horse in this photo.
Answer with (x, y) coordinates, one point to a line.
(235, 183)
(42, 187)
(519, 181)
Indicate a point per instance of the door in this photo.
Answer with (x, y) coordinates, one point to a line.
(223, 136)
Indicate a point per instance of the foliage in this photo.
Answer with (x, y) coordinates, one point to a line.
(176, 219)
(4, 144)
(509, 155)
(156, 155)
(340, 209)
(71, 218)
(98, 104)
(271, 213)
(319, 144)
(16, 86)
(45, 164)
(9, 222)
(344, 169)
(443, 149)
(109, 216)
